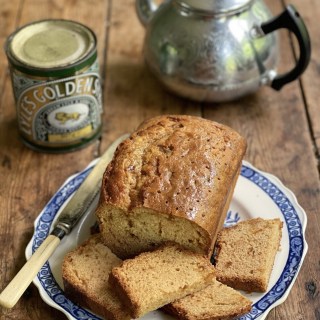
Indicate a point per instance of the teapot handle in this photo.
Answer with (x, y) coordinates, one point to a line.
(145, 10)
(291, 20)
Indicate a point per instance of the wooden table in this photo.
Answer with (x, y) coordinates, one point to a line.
(282, 130)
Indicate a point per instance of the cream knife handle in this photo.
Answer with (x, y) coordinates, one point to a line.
(14, 290)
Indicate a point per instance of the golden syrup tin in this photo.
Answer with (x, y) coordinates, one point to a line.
(56, 84)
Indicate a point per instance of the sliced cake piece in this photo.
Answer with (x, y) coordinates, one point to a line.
(154, 279)
(85, 273)
(215, 302)
(245, 253)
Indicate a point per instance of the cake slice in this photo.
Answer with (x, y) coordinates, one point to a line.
(85, 273)
(154, 279)
(245, 253)
(215, 302)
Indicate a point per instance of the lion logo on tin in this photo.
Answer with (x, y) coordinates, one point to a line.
(63, 117)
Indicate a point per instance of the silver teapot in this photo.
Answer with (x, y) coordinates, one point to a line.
(218, 50)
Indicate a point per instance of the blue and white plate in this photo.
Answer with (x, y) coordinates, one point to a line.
(257, 194)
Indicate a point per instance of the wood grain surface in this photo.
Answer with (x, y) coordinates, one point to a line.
(282, 129)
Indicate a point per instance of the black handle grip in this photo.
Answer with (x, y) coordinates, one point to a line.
(291, 20)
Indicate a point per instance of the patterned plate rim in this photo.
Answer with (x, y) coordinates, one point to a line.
(293, 214)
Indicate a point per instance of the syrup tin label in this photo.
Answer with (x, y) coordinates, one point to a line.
(58, 112)
(58, 107)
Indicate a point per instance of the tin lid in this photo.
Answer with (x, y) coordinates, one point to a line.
(51, 44)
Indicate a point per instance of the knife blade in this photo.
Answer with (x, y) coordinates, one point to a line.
(68, 218)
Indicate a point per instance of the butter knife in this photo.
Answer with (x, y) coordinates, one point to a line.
(69, 216)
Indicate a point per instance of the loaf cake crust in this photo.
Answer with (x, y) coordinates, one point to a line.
(154, 279)
(215, 302)
(245, 253)
(171, 180)
(85, 274)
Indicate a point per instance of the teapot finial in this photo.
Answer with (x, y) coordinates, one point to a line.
(145, 10)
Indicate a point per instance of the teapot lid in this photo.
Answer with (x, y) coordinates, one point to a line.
(216, 6)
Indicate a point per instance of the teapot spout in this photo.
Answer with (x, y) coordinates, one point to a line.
(145, 10)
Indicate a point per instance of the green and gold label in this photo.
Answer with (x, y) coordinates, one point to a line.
(58, 112)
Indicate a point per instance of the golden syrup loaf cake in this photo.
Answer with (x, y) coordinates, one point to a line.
(171, 180)
(215, 302)
(154, 279)
(246, 252)
(85, 274)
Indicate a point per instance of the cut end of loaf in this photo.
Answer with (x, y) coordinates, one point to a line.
(128, 234)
